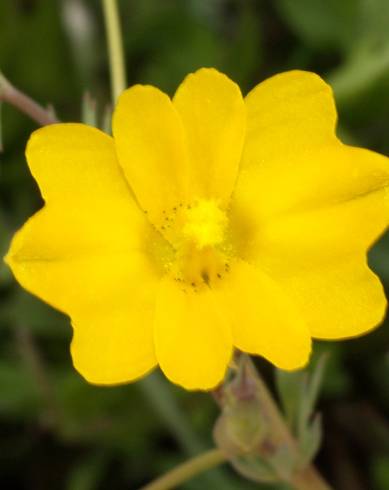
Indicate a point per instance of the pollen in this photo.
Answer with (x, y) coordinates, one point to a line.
(205, 224)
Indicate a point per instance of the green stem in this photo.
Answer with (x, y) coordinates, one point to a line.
(187, 470)
(115, 48)
(159, 396)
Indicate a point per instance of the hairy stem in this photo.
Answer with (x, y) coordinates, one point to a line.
(16, 98)
(307, 478)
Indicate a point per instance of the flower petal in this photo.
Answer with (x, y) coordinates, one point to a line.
(287, 114)
(292, 159)
(85, 250)
(76, 162)
(324, 177)
(325, 234)
(149, 140)
(322, 215)
(59, 257)
(335, 202)
(265, 320)
(214, 117)
(99, 290)
(192, 337)
(113, 341)
(339, 300)
(69, 161)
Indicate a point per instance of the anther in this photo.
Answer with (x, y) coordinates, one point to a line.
(205, 277)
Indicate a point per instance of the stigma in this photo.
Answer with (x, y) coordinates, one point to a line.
(205, 224)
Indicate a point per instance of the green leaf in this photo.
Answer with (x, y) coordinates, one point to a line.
(298, 392)
(310, 441)
(363, 68)
(312, 388)
(375, 15)
(323, 24)
(289, 386)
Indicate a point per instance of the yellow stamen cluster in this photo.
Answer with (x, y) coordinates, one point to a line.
(199, 232)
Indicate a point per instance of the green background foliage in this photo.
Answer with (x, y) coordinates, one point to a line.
(56, 431)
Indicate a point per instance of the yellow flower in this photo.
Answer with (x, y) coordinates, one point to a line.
(207, 221)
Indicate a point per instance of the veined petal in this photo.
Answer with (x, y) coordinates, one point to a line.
(288, 114)
(214, 117)
(265, 321)
(192, 337)
(149, 140)
(339, 300)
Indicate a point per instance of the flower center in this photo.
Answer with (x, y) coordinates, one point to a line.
(205, 224)
(200, 255)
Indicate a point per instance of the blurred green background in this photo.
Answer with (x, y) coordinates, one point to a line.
(58, 432)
